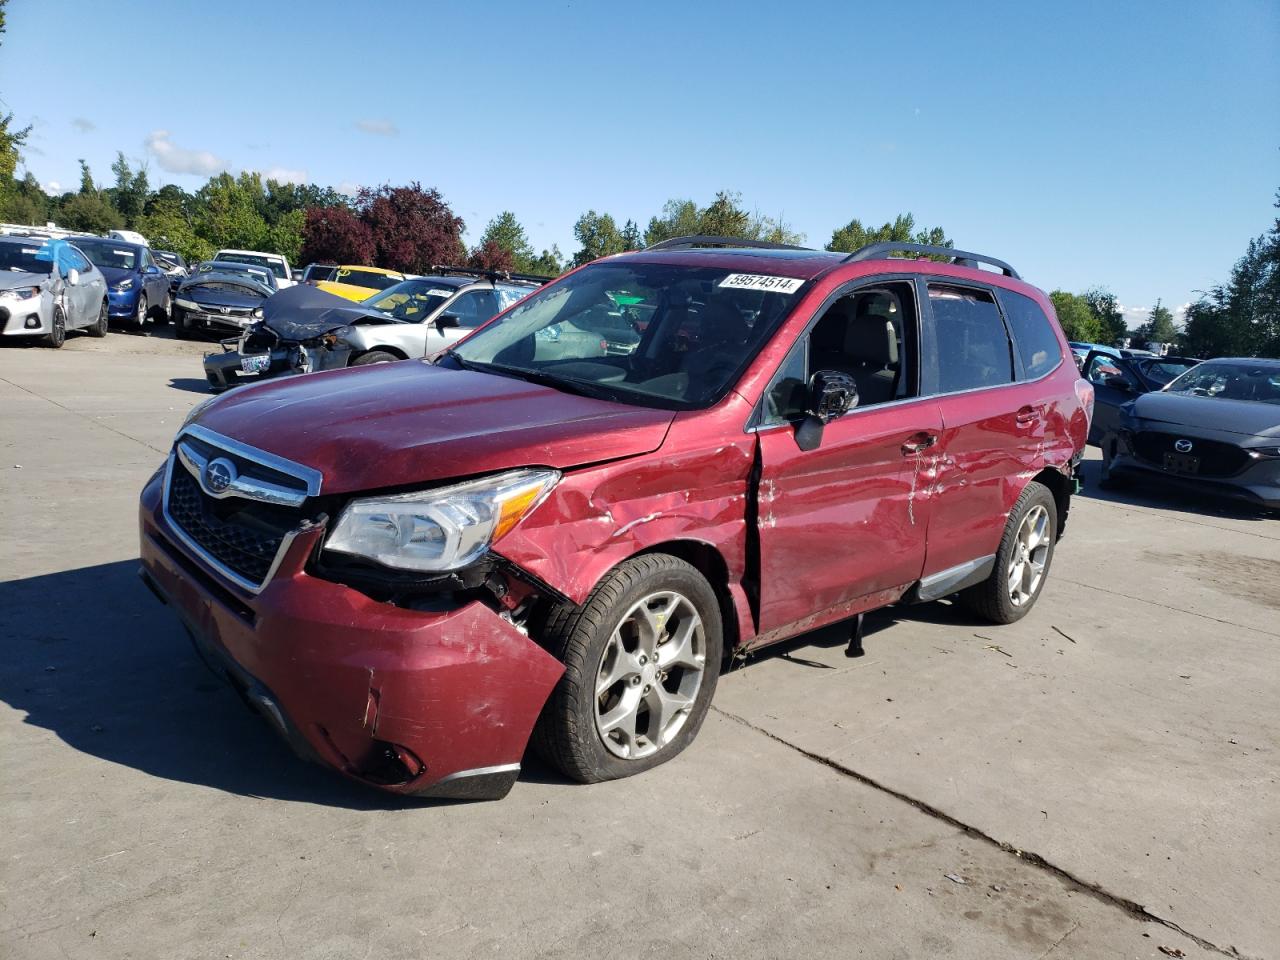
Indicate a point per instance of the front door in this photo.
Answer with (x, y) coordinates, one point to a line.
(842, 526)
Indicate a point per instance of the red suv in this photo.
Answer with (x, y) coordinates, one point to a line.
(414, 569)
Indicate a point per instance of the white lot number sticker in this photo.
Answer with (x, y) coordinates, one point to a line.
(755, 281)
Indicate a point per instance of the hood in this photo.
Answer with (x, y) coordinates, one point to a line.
(408, 423)
(115, 274)
(12, 280)
(245, 297)
(1243, 417)
(303, 312)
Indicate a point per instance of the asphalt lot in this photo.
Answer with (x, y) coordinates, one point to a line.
(1098, 780)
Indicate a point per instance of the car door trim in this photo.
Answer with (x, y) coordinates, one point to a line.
(953, 579)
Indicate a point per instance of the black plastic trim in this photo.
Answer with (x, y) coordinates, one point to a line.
(960, 258)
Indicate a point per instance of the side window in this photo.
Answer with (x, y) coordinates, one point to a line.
(868, 334)
(146, 259)
(473, 308)
(1033, 334)
(966, 346)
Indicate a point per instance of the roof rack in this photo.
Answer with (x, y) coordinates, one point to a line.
(961, 258)
(490, 274)
(701, 240)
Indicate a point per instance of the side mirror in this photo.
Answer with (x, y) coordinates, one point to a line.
(447, 321)
(1118, 383)
(832, 394)
(73, 277)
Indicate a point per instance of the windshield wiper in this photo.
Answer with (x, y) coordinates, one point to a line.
(583, 388)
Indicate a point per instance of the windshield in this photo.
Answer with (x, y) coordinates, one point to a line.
(262, 275)
(1162, 371)
(106, 254)
(21, 258)
(247, 289)
(1231, 380)
(652, 334)
(366, 278)
(274, 264)
(411, 300)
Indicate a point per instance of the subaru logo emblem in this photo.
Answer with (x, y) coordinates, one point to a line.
(1183, 446)
(218, 475)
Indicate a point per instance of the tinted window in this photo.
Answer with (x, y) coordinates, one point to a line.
(274, 264)
(1033, 334)
(966, 346)
(1103, 366)
(21, 258)
(77, 261)
(366, 278)
(107, 254)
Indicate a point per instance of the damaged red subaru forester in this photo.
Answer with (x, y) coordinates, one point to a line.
(558, 529)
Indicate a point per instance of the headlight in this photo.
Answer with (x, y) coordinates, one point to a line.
(124, 284)
(1266, 451)
(186, 304)
(438, 530)
(257, 313)
(23, 293)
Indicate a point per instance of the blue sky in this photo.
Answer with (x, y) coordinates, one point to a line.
(1134, 145)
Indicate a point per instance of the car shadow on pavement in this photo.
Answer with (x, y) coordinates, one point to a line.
(92, 657)
(1166, 496)
(190, 384)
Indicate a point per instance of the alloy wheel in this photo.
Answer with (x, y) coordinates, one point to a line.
(1030, 551)
(141, 317)
(649, 675)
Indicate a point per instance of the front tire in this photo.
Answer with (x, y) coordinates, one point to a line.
(1108, 479)
(181, 328)
(99, 329)
(140, 315)
(642, 657)
(57, 334)
(1022, 561)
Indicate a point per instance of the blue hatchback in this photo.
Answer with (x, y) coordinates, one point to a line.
(137, 289)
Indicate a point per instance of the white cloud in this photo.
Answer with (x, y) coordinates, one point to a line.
(52, 188)
(380, 128)
(349, 187)
(83, 125)
(177, 159)
(285, 175)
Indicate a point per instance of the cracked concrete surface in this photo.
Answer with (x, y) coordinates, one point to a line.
(148, 814)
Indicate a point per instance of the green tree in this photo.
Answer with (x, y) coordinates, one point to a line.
(86, 178)
(88, 213)
(227, 212)
(598, 236)
(1078, 321)
(549, 263)
(723, 217)
(168, 224)
(1159, 327)
(505, 233)
(631, 238)
(23, 201)
(1106, 310)
(853, 235)
(680, 218)
(131, 190)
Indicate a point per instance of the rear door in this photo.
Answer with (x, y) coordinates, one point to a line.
(993, 426)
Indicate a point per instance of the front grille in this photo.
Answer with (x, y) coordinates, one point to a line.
(241, 540)
(242, 531)
(1217, 459)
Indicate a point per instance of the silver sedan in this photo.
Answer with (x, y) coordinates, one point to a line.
(48, 287)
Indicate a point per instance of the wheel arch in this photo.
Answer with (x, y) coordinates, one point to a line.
(710, 562)
(379, 348)
(1061, 486)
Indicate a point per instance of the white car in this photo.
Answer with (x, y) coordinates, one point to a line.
(128, 236)
(272, 261)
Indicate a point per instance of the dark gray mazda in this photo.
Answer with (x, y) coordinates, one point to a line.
(1216, 428)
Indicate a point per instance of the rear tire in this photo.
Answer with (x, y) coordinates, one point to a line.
(165, 313)
(636, 689)
(99, 329)
(181, 329)
(1022, 561)
(374, 356)
(57, 334)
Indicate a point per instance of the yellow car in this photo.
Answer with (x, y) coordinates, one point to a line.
(360, 283)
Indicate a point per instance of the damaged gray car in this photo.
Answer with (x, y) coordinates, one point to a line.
(304, 329)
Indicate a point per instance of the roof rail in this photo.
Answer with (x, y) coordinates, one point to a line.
(701, 240)
(441, 269)
(882, 251)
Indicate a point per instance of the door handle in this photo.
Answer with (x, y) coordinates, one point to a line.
(918, 442)
(1027, 416)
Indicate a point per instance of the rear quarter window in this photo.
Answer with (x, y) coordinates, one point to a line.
(1033, 335)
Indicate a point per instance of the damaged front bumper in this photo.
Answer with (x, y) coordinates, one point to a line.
(437, 703)
(233, 367)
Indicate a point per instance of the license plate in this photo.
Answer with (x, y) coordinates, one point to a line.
(255, 364)
(1181, 463)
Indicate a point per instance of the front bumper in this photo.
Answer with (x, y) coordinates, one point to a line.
(15, 315)
(225, 370)
(434, 703)
(123, 303)
(1258, 483)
